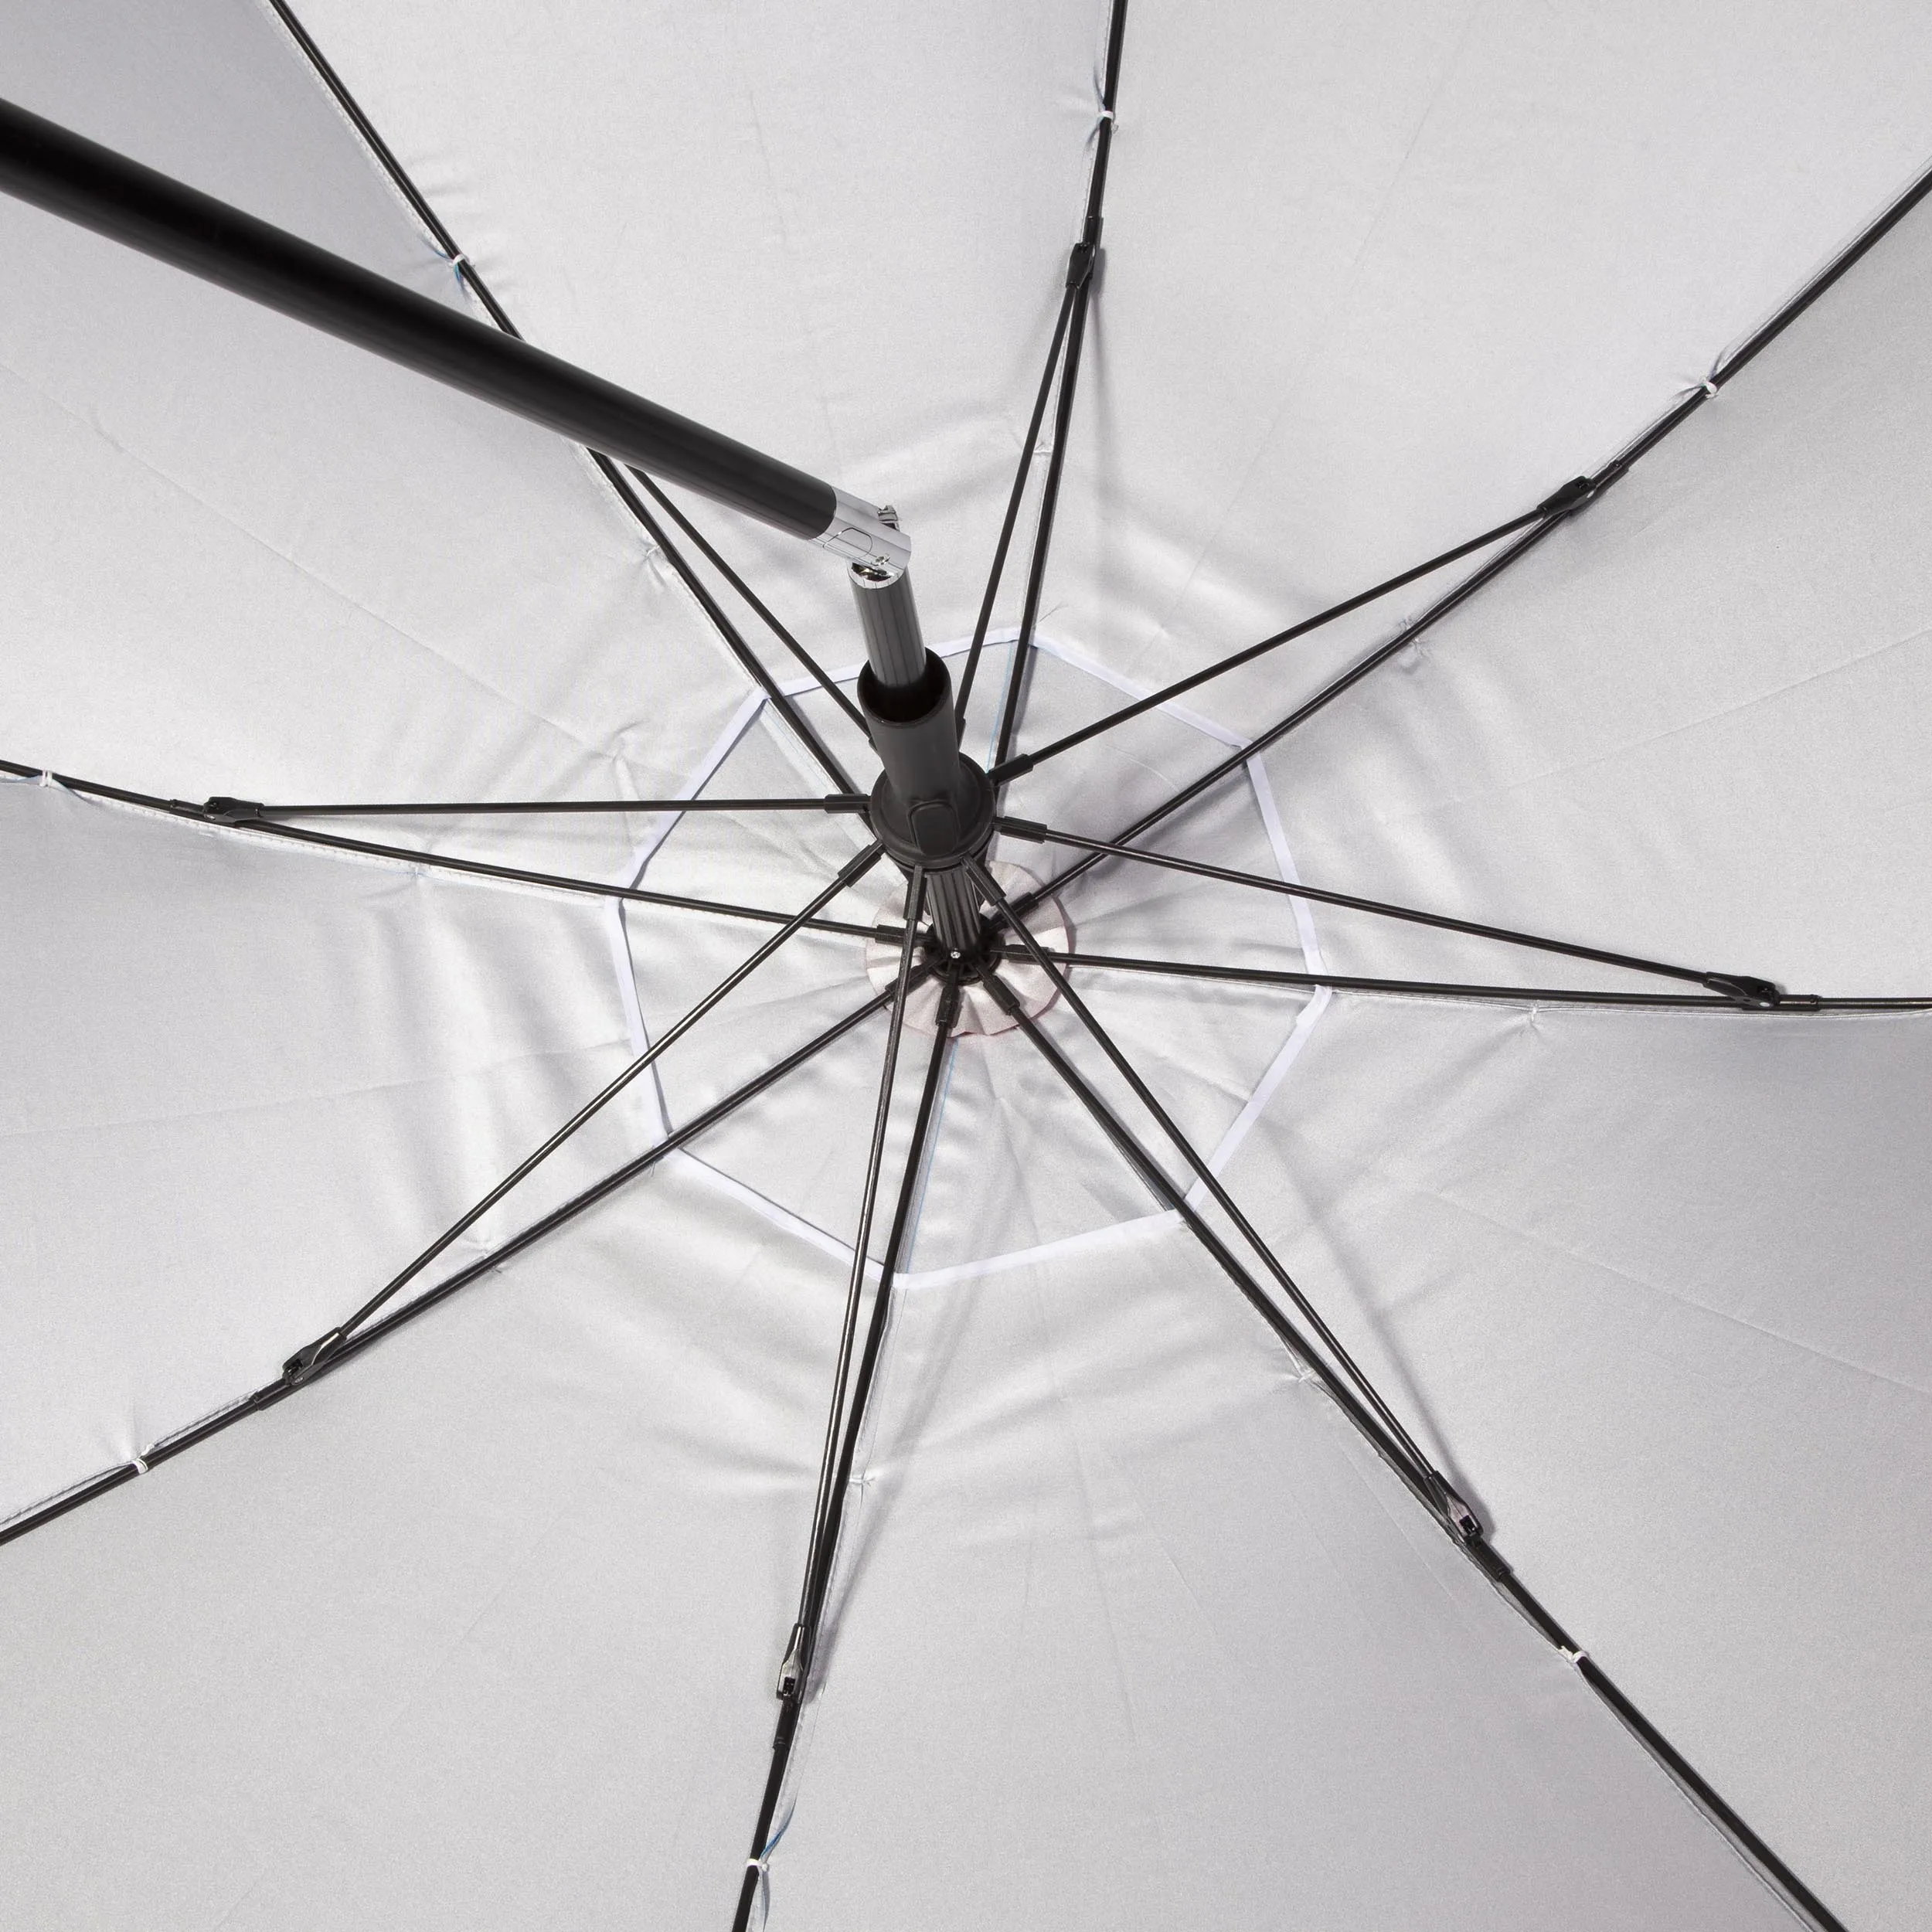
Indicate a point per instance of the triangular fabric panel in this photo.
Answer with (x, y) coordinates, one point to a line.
(1655, 1283)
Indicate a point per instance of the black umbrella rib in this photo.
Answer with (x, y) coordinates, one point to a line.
(890, 935)
(1016, 677)
(1080, 267)
(245, 810)
(1017, 767)
(1745, 990)
(302, 1363)
(819, 1576)
(1444, 989)
(1472, 1540)
(239, 814)
(486, 868)
(813, 668)
(842, 1442)
(612, 475)
(1028, 449)
(1705, 1795)
(166, 1449)
(862, 1244)
(386, 159)
(1447, 1503)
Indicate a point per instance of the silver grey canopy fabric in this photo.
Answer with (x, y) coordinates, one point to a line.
(1128, 1628)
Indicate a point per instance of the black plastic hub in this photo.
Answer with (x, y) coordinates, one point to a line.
(937, 839)
(931, 809)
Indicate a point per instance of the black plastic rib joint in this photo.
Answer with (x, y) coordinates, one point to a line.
(1465, 1524)
(305, 1362)
(1572, 496)
(791, 1672)
(229, 811)
(1086, 253)
(1760, 995)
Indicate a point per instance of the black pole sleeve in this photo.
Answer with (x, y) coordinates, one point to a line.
(92, 185)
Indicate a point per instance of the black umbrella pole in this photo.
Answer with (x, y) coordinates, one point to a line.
(932, 809)
(84, 183)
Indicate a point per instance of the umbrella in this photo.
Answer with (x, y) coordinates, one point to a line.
(1181, 1186)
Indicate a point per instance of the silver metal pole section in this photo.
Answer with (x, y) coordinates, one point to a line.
(97, 189)
(859, 534)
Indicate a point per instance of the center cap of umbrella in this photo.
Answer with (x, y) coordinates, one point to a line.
(979, 1013)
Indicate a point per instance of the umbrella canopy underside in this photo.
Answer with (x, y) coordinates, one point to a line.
(1127, 1625)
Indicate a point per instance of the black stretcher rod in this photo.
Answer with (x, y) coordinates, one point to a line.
(84, 183)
